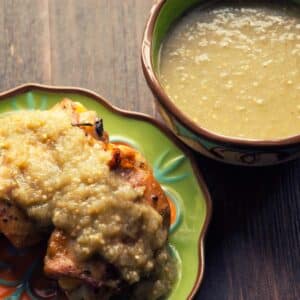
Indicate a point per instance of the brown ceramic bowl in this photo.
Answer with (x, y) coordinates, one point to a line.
(226, 149)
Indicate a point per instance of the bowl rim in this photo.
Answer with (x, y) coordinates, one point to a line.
(167, 103)
(162, 127)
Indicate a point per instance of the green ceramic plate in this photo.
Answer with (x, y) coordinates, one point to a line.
(173, 167)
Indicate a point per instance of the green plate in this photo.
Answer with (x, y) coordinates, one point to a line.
(173, 167)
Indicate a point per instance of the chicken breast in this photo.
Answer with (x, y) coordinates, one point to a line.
(61, 262)
(110, 216)
(15, 224)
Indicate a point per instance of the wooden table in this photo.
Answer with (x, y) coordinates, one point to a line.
(253, 245)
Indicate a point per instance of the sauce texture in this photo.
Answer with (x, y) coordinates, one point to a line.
(236, 70)
(60, 176)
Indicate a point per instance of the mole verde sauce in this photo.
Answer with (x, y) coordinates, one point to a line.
(60, 177)
(235, 70)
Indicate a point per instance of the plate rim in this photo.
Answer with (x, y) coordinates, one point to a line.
(23, 88)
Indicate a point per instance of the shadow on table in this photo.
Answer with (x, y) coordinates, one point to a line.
(252, 246)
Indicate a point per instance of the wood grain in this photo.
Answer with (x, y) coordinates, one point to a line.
(96, 44)
(253, 245)
(24, 42)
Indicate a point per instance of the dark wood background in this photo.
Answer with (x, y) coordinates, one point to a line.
(253, 245)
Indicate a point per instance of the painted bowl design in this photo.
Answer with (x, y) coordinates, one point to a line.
(238, 151)
(21, 270)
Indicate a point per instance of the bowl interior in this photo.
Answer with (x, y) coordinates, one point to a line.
(165, 13)
(169, 13)
(172, 10)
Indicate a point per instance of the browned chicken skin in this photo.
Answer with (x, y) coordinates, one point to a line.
(17, 227)
(61, 262)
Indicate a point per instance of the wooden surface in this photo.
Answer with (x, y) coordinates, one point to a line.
(253, 245)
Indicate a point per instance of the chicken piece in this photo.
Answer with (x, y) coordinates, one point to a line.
(17, 227)
(93, 278)
(132, 166)
(14, 223)
(60, 261)
(125, 160)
